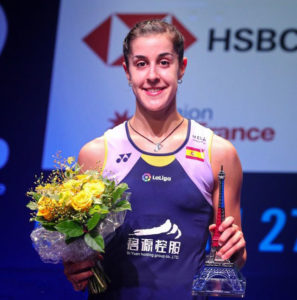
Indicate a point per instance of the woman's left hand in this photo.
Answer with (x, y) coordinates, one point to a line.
(232, 241)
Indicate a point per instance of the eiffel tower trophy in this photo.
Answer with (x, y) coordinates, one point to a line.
(219, 277)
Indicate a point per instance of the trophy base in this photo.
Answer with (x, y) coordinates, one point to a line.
(219, 278)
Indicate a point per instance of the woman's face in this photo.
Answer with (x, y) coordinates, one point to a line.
(154, 70)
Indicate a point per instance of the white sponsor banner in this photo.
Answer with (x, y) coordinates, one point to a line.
(241, 78)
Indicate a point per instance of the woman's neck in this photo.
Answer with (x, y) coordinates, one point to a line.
(155, 124)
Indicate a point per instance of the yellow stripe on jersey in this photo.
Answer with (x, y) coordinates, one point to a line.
(210, 145)
(158, 161)
(105, 152)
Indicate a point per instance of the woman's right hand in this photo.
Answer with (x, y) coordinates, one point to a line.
(79, 273)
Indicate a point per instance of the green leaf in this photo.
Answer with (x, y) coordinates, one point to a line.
(96, 243)
(40, 219)
(92, 223)
(119, 190)
(104, 209)
(99, 209)
(109, 183)
(43, 221)
(49, 227)
(122, 205)
(70, 228)
(95, 209)
(34, 195)
(37, 196)
(100, 242)
(32, 205)
(109, 186)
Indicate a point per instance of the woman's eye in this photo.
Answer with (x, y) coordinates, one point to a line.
(164, 62)
(140, 64)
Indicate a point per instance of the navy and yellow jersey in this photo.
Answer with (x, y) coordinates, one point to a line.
(160, 246)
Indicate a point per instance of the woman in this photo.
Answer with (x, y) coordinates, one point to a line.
(171, 166)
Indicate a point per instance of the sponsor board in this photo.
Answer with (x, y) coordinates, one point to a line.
(240, 79)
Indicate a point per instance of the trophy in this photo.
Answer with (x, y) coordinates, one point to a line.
(219, 277)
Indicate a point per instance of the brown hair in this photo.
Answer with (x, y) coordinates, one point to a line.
(154, 26)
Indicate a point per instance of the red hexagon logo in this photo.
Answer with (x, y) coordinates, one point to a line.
(99, 39)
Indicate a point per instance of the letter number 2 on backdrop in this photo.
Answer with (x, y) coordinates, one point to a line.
(267, 244)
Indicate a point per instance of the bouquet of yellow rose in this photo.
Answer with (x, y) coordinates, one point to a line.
(75, 211)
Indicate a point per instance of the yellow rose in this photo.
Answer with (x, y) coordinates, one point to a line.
(65, 197)
(46, 207)
(95, 188)
(71, 184)
(81, 201)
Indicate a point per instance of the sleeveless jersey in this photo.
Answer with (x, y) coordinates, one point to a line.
(160, 247)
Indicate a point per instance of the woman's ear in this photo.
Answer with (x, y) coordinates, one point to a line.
(182, 68)
(126, 71)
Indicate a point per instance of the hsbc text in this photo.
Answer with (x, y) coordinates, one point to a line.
(245, 39)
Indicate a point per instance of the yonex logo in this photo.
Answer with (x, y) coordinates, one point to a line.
(106, 45)
(123, 157)
(146, 177)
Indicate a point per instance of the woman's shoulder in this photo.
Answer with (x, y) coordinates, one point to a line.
(222, 147)
(224, 154)
(91, 155)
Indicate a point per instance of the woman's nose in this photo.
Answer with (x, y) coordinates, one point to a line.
(153, 75)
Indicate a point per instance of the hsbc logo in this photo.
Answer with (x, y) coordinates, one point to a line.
(105, 39)
(246, 39)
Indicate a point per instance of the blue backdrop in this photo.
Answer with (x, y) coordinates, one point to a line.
(269, 207)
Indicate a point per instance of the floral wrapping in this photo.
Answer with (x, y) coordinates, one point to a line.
(52, 248)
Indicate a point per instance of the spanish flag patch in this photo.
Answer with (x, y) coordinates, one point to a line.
(195, 153)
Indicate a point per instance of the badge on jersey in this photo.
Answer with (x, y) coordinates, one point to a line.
(195, 153)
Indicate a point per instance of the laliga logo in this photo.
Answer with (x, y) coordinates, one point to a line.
(146, 177)
(105, 39)
(3, 29)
